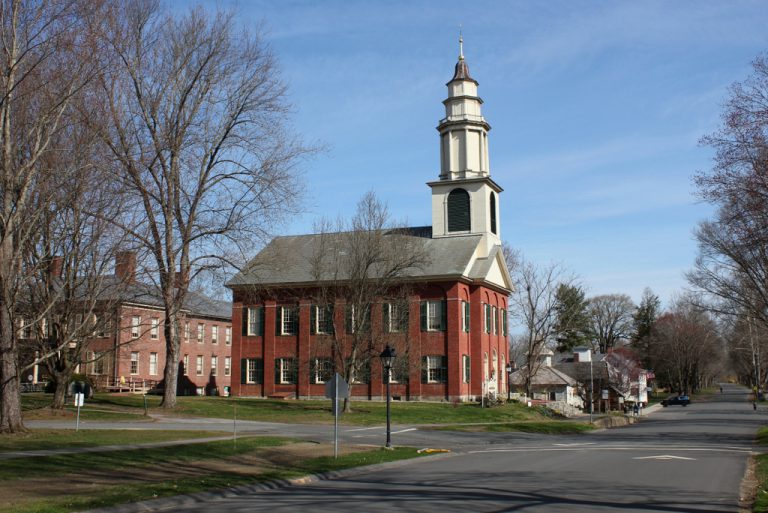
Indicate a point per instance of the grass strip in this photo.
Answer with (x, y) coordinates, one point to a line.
(124, 493)
(544, 428)
(130, 460)
(45, 439)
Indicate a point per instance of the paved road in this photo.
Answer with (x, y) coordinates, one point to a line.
(677, 460)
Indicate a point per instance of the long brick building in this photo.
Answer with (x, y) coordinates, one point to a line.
(450, 330)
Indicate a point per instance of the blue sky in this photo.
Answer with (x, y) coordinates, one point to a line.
(596, 111)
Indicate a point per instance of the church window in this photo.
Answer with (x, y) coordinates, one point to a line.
(493, 213)
(458, 211)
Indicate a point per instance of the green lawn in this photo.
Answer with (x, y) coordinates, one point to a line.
(363, 413)
(761, 495)
(174, 478)
(39, 439)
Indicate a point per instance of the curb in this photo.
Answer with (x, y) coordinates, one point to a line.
(242, 490)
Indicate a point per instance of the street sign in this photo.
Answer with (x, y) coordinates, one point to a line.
(336, 388)
(79, 399)
(605, 394)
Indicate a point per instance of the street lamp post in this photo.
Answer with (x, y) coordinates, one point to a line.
(387, 359)
(510, 368)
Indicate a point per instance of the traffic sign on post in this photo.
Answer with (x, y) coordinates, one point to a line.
(336, 388)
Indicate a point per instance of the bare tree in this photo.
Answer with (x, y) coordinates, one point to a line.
(200, 137)
(686, 349)
(361, 265)
(534, 304)
(732, 265)
(611, 317)
(47, 49)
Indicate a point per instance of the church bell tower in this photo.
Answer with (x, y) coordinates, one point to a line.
(465, 200)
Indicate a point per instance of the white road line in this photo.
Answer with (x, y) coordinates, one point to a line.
(362, 429)
(663, 457)
(575, 445)
(403, 431)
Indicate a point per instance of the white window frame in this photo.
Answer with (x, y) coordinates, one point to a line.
(250, 373)
(286, 370)
(495, 314)
(214, 334)
(227, 365)
(395, 315)
(200, 333)
(186, 365)
(320, 321)
(464, 316)
(214, 365)
(318, 370)
(134, 363)
(435, 366)
(153, 364)
(434, 315)
(199, 365)
(287, 322)
(465, 368)
(254, 321)
(228, 335)
(186, 332)
(135, 326)
(154, 329)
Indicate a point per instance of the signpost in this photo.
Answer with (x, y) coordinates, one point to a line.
(79, 401)
(336, 389)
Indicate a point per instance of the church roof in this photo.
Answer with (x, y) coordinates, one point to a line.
(288, 260)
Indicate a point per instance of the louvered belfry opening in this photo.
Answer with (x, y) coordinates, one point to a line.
(458, 211)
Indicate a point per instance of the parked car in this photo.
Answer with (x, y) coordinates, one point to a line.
(682, 400)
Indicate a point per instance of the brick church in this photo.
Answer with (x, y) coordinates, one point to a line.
(450, 331)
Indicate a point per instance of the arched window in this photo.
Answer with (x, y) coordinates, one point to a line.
(458, 211)
(493, 213)
(495, 365)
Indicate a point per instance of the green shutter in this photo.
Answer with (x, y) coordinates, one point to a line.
(504, 321)
(259, 377)
(385, 318)
(277, 371)
(466, 315)
(243, 371)
(444, 369)
(423, 307)
(294, 370)
(278, 320)
(458, 211)
(295, 320)
(245, 321)
(312, 319)
(348, 318)
(312, 371)
(444, 315)
(424, 376)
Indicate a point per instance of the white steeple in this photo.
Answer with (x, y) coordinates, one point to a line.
(465, 198)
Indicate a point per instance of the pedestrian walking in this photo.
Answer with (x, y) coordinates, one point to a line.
(754, 405)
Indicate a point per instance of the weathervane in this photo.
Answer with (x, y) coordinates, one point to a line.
(461, 45)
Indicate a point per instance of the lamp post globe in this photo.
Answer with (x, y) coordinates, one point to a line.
(510, 368)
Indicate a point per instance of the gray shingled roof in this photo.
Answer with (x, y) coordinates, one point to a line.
(288, 260)
(113, 289)
(544, 376)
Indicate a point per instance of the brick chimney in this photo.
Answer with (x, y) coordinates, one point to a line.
(55, 266)
(125, 266)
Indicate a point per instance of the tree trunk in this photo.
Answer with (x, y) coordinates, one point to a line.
(59, 393)
(171, 372)
(10, 393)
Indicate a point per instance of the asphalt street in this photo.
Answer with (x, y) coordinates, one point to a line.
(677, 459)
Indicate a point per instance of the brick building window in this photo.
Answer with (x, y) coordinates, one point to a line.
(199, 365)
(98, 363)
(214, 365)
(251, 371)
(287, 320)
(285, 371)
(433, 315)
(135, 326)
(227, 365)
(228, 335)
(253, 322)
(487, 317)
(395, 317)
(495, 316)
(134, 362)
(186, 331)
(154, 327)
(186, 364)
(466, 368)
(214, 334)
(321, 319)
(200, 333)
(153, 364)
(433, 369)
(465, 316)
(321, 370)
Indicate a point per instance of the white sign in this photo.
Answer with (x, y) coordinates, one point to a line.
(79, 400)
(605, 394)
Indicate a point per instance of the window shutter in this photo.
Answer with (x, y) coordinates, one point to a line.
(245, 321)
(385, 318)
(424, 373)
(504, 321)
(444, 369)
(458, 211)
(295, 320)
(466, 315)
(277, 371)
(423, 307)
(329, 319)
(259, 377)
(443, 315)
(278, 320)
(312, 371)
(312, 319)
(243, 371)
(294, 370)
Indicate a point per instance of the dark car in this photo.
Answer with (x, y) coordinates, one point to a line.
(682, 400)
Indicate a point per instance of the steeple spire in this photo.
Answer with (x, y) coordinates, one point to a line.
(461, 45)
